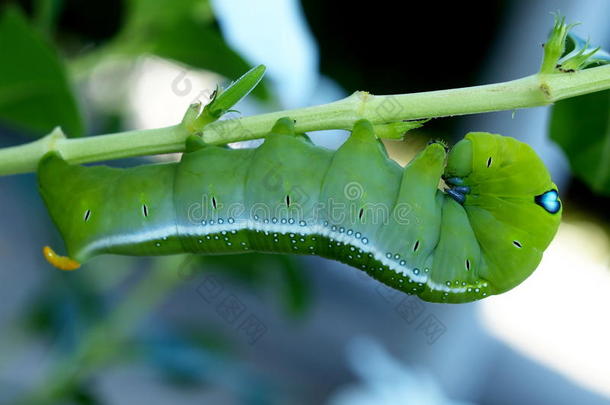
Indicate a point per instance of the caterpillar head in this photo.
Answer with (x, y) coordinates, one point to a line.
(512, 204)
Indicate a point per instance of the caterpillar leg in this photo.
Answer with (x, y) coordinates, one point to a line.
(61, 262)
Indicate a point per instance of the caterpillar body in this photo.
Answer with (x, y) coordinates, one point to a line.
(481, 234)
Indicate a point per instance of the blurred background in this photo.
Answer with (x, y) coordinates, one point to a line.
(268, 329)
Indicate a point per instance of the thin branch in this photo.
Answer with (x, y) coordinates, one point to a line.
(531, 91)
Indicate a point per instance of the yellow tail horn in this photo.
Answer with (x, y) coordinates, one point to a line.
(61, 262)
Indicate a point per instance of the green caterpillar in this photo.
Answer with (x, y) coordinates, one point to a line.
(482, 235)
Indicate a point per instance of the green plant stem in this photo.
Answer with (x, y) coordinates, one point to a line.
(530, 91)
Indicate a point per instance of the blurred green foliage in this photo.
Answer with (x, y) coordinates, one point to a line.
(36, 90)
(181, 30)
(581, 125)
(35, 93)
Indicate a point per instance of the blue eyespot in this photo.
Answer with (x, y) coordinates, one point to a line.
(549, 201)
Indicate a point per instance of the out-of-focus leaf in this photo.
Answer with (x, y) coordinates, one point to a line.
(184, 364)
(83, 395)
(164, 13)
(34, 91)
(181, 30)
(258, 270)
(296, 294)
(199, 46)
(180, 360)
(581, 126)
(66, 306)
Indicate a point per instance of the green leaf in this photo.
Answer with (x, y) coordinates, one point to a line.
(236, 91)
(555, 46)
(224, 99)
(567, 52)
(581, 126)
(579, 54)
(34, 91)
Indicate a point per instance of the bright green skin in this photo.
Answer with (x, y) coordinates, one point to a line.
(354, 205)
